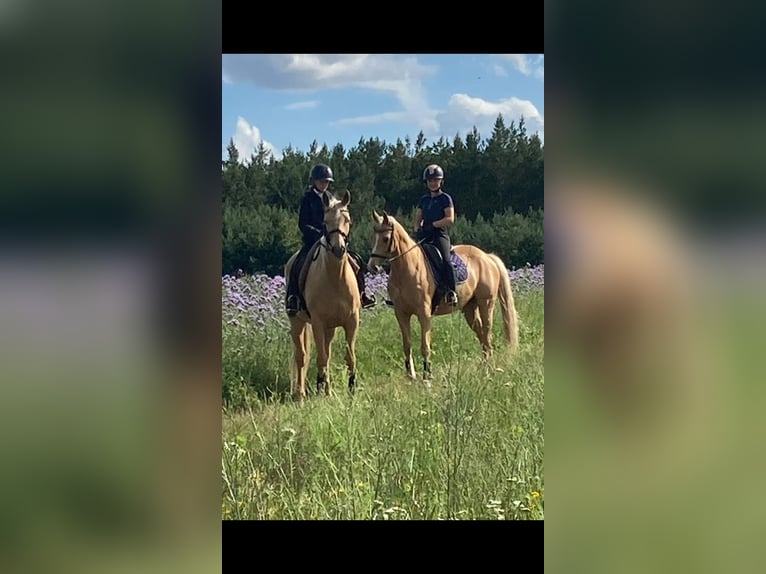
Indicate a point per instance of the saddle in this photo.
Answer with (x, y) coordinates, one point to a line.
(309, 258)
(305, 263)
(434, 258)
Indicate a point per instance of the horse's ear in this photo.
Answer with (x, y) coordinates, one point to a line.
(346, 198)
(385, 218)
(376, 216)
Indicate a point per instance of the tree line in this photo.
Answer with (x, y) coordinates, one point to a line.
(496, 183)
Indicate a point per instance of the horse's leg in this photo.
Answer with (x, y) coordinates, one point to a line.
(471, 314)
(325, 377)
(404, 326)
(319, 339)
(351, 329)
(300, 358)
(425, 343)
(486, 312)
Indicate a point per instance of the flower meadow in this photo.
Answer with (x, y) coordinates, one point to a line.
(260, 298)
(467, 445)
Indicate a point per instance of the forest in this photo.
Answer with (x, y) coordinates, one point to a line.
(496, 183)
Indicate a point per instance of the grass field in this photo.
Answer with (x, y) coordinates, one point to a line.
(467, 446)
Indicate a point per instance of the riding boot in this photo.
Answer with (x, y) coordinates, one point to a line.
(450, 284)
(368, 301)
(292, 302)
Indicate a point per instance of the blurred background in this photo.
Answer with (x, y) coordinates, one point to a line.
(654, 305)
(110, 289)
(109, 250)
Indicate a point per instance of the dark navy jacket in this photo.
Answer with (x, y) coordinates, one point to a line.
(311, 214)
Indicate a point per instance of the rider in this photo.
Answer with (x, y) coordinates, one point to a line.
(311, 224)
(434, 214)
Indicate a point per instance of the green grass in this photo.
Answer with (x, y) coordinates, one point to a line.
(469, 446)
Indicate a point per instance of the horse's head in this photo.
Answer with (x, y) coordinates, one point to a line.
(384, 244)
(337, 223)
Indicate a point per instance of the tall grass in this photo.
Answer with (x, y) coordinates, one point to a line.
(467, 446)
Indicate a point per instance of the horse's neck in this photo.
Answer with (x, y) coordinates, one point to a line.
(409, 257)
(330, 265)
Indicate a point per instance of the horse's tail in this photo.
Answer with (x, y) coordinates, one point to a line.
(510, 317)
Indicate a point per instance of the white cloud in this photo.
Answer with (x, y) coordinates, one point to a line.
(520, 62)
(528, 64)
(464, 112)
(400, 77)
(302, 105)
(499, 71)
(374, 119)
(247, 138)
(322, 71)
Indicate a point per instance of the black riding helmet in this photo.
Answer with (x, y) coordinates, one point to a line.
(321, 171)
(433, 171)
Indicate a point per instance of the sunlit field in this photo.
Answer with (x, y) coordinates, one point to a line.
(468, 444)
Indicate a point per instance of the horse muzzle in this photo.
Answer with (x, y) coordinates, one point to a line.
(338, 250)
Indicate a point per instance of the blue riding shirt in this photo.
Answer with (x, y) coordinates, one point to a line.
(433, 208)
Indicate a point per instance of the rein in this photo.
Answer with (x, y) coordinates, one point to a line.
(327, 234)
(390, 241)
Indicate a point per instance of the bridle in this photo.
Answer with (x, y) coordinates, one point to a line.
(386, 258)
(329, 233)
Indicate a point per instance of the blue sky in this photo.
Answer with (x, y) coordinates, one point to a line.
(293, 99)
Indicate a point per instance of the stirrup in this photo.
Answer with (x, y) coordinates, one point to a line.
(293, 305)
(451, 298)
(368, 302)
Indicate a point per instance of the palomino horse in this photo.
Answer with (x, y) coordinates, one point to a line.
(412, 286)
(332, 300)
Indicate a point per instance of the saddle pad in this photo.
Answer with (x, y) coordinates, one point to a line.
(461, 270)
(434, 260)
